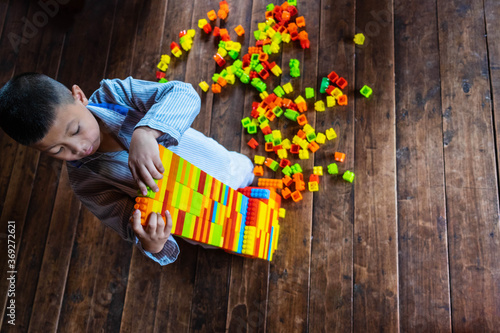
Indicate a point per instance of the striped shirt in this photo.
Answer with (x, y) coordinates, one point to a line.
(103, 181)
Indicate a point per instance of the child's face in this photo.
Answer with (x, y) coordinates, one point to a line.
(75, 132)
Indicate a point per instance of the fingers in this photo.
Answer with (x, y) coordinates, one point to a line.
(159, 166)
(168, 225)
(136, 223)
(145, 177)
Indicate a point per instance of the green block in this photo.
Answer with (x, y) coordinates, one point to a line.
(252, 129)
(292, 2)
(333, 169)
(215, 77)
(291, 114)
(186, 229)
(309, 92)
(274, 166)
(279, 91)
(266, 48)
(185, 181)
(294, 72)
(311, 136)
(278, 111)
(262, 119)
(233, 54)
(366, 91)
(287, 170)
(163, 80)
(245, 78)
(296, 168)
(325, 82)
(276, 142)
(268, 138)
(196, 203)
(246, 122)
(216, 234)
(270, 7)
(348, 176)
(179, 170)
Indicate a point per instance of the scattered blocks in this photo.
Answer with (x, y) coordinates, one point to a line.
(204, 86)
(253, 143)
(333, 169)
(259, 159)
(339, 157)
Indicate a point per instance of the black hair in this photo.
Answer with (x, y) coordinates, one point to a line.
(28, 105)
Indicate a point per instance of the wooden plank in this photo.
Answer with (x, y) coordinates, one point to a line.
(209, 309)
(287, 309)
(423, 253)
(247, 301)
(73, 62)
(20, 198)
(97, 281)
(4, 5)
(375, 218)
(331, 260)
(55, 264)
(470, 167)
(492, 12)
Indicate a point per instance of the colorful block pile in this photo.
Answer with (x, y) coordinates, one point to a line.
(203, 209)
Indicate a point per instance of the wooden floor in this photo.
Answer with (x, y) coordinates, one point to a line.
(413, 245)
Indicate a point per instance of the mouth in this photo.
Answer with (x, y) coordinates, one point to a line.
(89, 151)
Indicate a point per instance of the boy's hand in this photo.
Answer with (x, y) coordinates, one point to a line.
(155, 234)
(144, 158)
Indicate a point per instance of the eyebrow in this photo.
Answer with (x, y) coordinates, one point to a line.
(66, 132)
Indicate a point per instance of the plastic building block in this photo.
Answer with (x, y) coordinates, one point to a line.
(330, 134)
(325, 82)
(203, 209)
(330, 101)
(204, 86)
(294, 149)
(282, 153)
(333, 77)
(160, 75)
(348, 176)
(259, 159)
(258, 171)
(239, 30)
(216, 88)
(309, 92)
(212, 15)
(288, 88)
(313, 147)
(302, 119)
(318, 170)
(333, 169)
(336, 93)
(286, 144)
(319, 106)
(203, 24)
(253, 143)
(300, 21)
(341, 83)
(366, 91)
(279, 91)
(303, 154)
(287, 180)
(296, 168)
(359, 39)
(176, 51)
(296, 196)
(271, 164)
(286, 193)
(268, 182)
(291, 114)
(163, 80)
(251, 129)
(268, 146)
(342, 100)
(287, 170)
(339, 157)
(219, 59)
(282, 213)
(320, 138)
(223, 11)
(313, 186)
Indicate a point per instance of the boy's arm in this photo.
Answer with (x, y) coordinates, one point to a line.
(114, 208)
(169, 108)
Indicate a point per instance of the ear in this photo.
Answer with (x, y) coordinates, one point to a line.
(79, 95)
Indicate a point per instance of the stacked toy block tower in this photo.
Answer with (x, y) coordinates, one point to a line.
(205, 210)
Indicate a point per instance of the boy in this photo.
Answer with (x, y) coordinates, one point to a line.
(111, 145)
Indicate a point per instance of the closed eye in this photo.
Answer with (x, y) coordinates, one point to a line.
(77, 131)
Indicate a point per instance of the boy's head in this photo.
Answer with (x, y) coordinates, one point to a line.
(38, 111)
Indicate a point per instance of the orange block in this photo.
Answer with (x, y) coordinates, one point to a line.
(339, 157)
(296, 196)
(258, 171)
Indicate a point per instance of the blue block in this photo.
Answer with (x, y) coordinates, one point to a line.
(270, 243)
(226, 194)
(244, 205)
(260, 193)
(242, 231)
(214, 214)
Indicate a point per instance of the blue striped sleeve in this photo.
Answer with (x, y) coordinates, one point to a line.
(168, 107)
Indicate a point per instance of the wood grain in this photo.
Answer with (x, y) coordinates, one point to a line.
(423, 249)
(330, 299)
(375, 215)
(470, 167)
